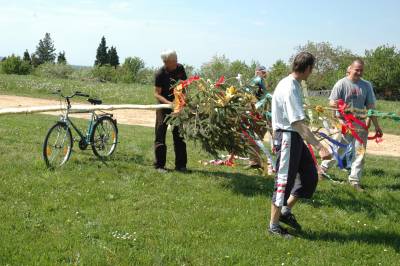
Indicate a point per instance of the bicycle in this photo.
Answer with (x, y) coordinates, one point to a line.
(101, 134)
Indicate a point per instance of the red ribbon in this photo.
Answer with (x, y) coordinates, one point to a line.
(377, 137)
(349, 119)
(313, 154)
(186, 83)
(220, 81)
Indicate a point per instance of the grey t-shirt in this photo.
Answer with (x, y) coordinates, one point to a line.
(358, 94)
(287, 104)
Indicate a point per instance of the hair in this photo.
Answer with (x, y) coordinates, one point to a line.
(165, 55)
(302, 61)
(358, 61)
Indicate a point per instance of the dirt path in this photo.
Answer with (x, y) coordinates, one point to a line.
(390, 146)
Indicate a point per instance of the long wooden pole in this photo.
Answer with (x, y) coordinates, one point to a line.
(81, 108)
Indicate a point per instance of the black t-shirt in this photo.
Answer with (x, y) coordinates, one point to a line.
(165, 80)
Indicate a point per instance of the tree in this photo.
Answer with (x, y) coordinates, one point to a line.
(35, 60)
(218, 66)
(102, 57)
(278, 71)
(27, 57)
(331, 63)
(45, 50)
(382, 68)
(130, 69)
(113, 57)
(61, 58)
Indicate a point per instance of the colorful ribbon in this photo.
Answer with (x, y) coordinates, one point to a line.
(349, 119)
(336, 155)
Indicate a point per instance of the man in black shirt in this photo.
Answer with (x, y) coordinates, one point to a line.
(165, 78)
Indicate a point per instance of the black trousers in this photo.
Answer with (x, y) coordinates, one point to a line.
(160, 148)
(296, 171)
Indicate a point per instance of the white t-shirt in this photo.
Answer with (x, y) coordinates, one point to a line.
(287, 104)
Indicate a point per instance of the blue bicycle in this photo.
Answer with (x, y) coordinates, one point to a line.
(101, 134)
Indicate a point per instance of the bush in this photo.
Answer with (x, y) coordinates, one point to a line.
(130, 69)
(221, 66)
(15, 65)
(51, 70)
(105, 73)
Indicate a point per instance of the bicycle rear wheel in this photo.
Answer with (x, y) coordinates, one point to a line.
(104, 137)
(57, 145)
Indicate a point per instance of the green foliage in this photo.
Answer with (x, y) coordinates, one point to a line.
(61, 58)
(15, 65)
(102, 57)
(51, 70)
(45, 50)
(113, 57)
(105, 73)
(215, 116)
(27, 57)
(331, 63)
(278, 71)
(221, 66)
(382, 68)
(130, 69)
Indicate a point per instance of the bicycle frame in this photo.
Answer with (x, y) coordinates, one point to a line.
(86, 138)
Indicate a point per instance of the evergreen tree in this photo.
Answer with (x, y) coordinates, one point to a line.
(113, 57)
(102, 57)
(45, 50)
(61, 58)
(27, 57)
(34, 60)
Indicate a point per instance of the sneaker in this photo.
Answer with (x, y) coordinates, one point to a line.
(290, 220)
(356, 186)
(252, 166)
(183, 170)
(280, 231)
(162, 170)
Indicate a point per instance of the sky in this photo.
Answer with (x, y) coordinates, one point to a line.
(264, 31)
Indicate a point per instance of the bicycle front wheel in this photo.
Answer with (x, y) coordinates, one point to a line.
(57, 145)
(104, 137)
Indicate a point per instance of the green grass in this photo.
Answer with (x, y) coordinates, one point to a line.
(213, 216)
(34, 86)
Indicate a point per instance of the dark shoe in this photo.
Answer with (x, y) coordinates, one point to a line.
(281, 232)
(183, 170)
(252, 166)
(290, 220)
(162, 170)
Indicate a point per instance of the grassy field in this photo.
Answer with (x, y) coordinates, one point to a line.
(109, 92)
(125, 213)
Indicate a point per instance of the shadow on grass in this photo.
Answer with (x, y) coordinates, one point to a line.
(247, 185)
(353, 201)
(375, 238)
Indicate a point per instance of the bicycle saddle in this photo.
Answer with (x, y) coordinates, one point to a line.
(95, 101)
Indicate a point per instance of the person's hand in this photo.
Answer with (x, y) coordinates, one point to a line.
(378, 131)
(324, 153)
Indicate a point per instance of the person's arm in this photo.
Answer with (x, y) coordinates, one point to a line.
(374, 120)
(370, 104)
(159, 97)
(309, 137)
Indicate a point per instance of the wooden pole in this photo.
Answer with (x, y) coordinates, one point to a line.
(81, 108)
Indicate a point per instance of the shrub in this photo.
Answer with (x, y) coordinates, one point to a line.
(15, 65)
(105, 73)
(51, 70)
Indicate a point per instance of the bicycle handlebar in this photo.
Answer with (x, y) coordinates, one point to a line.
(77, 93)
